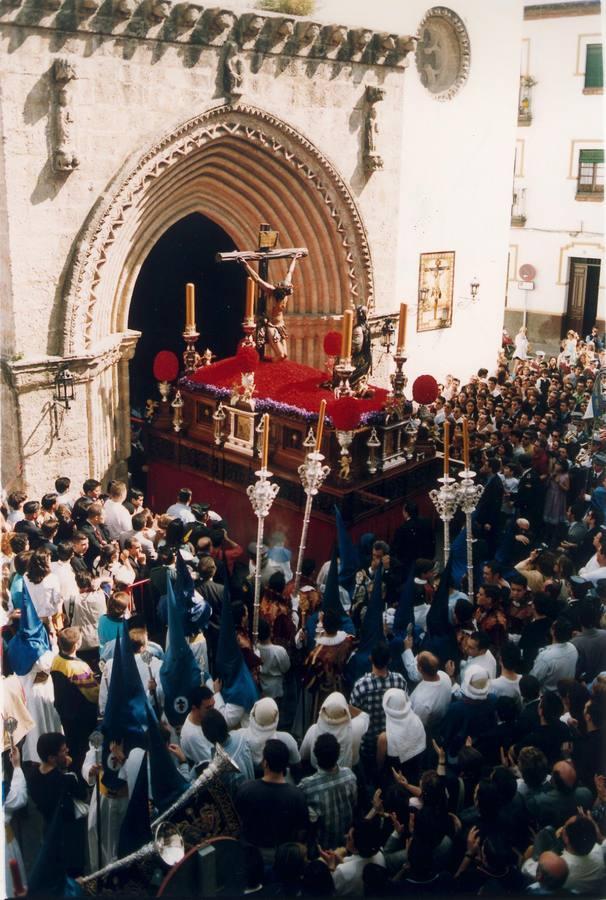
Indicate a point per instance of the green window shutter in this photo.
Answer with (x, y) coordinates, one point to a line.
(594, 71)
(591, 156)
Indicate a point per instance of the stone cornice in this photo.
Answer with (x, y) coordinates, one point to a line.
(189, 24)
(39, 373)
(559, 10)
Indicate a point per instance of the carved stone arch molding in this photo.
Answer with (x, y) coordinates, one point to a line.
(239, 167)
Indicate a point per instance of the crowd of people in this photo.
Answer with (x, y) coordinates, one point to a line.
(395, 733)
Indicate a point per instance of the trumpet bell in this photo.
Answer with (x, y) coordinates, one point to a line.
(169, 843)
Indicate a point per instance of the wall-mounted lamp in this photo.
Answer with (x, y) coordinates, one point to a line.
(387, 332)
(64, 388)
(474, 290)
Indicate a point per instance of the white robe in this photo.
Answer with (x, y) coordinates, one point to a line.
(112, 812)
(16, 799)
(40, 702)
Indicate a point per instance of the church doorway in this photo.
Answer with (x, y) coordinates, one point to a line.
(184, 253)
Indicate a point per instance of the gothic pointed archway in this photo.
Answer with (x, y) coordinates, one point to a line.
(238, 167)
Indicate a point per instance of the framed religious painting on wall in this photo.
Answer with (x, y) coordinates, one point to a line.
(436, 288)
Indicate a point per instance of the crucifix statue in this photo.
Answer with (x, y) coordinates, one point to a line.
(270, 334)
(435, 292)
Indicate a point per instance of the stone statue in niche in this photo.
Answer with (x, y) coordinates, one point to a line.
(64, 158)
(373, 160)
(233, 71)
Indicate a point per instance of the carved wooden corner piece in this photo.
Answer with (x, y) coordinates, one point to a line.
(251, 26)
(64, 158)
(188, 15)
(218, 23)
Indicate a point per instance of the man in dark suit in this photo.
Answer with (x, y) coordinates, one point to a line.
(488, 511)
(530, 493)
(29, 524)
(413, 540)
(96, 532)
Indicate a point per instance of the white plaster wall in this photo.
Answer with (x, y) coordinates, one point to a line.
(564, 120)
(455, 188)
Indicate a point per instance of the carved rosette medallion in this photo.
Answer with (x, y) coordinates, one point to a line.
(443, 53)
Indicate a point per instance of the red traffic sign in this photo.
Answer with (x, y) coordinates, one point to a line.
(527, 272)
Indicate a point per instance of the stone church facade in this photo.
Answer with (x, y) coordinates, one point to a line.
(118, 119)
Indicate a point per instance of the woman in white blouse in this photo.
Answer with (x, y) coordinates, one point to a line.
(44, 589)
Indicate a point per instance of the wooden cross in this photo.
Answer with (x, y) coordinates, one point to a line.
(266, 252)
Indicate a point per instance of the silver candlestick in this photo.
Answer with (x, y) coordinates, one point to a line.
(469, 494)
(344, 370)
(261, 495)
(446, 500)
(312, 474)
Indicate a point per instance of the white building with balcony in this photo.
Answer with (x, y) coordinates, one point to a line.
(557, 213)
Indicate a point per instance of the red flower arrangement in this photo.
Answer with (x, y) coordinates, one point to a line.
(166, 366)
(345, 413)
(425, 389)
(332, 343)
(247, 359)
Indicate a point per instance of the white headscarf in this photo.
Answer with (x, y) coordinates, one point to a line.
(405, 731)
(335, 718)
(262, 727)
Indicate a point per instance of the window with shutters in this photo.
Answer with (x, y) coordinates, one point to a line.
(590, 181)
(594, 70)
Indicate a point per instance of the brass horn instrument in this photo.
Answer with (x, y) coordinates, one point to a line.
(221, 762)
(167, 841)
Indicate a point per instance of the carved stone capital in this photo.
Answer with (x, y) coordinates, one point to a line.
(217, 25)
(39, 373)
(307, 35)
(123, 9)
(88, 7)
(63, 70)
(334, 37)
(159, 10)
(251, 26)
(360, 39)
(188, 15)
(374, 93)
(282, 29)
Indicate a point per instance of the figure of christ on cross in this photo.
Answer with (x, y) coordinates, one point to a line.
(271, 335)
(436, 291)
